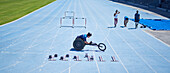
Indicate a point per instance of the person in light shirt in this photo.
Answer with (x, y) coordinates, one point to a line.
(116, 17)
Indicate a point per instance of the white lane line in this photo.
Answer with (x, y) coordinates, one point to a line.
(81, 9)
(8, 52)
(21, 36)
(150, 47)
(12, 65)
(96, 28)
(72, 36)
(136, 53)
(69, 67)
(26, 50)
(118, 56)
(50, 48)
(109, 42)
(38, 67)
(21, 56)
(35, 39)
(147, 11)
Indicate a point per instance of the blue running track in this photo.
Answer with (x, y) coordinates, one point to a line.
(25, 44)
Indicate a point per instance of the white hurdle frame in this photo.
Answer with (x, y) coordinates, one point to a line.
(67, 18)
(85, 21)
(65, 13)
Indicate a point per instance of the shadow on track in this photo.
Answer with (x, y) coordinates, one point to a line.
(131, 28)
(110, 27)
(72, 49)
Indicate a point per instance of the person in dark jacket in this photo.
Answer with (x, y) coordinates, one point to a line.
(137, 19)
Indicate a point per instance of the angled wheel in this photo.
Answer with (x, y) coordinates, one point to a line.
(102, 46)
(78, 44)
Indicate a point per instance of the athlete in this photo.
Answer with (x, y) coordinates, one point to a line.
(126, 19)
(137, 19)
(84, 36)
(116, 17)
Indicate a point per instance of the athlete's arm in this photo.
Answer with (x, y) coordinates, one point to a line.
(86, 42)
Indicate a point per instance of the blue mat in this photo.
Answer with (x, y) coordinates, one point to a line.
(156, 24)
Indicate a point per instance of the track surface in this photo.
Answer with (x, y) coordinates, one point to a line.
(25, 44)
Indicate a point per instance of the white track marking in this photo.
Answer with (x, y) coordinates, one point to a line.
(110, 44)
(150, 47)
(50, 48)
(136, 53)
(96, 28)
(117, 56)
(29, 47)
(69, 67)
(12, 65)
(14, 42)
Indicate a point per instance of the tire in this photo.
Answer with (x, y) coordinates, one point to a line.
(78, 44)
(102, 46)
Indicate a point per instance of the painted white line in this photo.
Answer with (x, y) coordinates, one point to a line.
(110, 44)
(38, 67)
(69, 67)
(29, 47)
(14, 42)
(22, 55)
(50, 48)
(136, 52)
(96, 28)
(12, 65)
(117, 56)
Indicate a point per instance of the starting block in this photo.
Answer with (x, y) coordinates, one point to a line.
(77, 58)
(88, 58)
(113, 59)
(50, 58)
(86, 55)
(63, 58)
(101, 59)
(92, 58)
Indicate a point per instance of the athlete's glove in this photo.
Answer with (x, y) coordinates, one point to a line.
(90, 42)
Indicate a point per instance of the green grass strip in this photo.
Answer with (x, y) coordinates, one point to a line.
(11, 10)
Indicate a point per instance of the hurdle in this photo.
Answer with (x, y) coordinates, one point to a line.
(77, 19)
(70, 18)
(69, 14)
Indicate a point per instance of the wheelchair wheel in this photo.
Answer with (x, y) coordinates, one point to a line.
(78, 44)
(102, 46)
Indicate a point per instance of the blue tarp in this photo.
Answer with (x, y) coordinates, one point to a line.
(156, 24)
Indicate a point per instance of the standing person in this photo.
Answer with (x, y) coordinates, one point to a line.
(126, 19)
(137, 18)
(116, 17)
